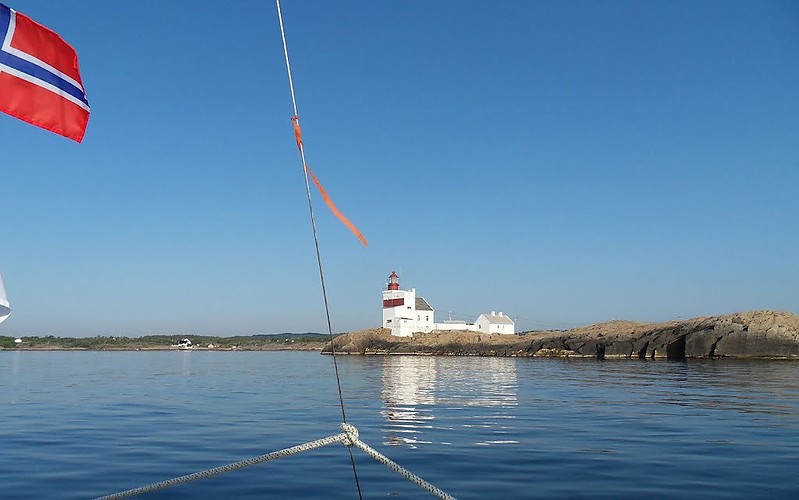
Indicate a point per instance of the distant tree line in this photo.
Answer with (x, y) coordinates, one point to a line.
(101, 342)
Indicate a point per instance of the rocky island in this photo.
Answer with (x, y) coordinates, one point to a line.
(757, 334)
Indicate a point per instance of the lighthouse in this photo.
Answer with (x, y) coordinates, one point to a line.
(393, 281)
(403, 312)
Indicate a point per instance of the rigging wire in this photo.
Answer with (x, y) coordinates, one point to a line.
(316, 242)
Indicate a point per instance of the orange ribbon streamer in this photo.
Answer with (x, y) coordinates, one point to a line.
(332, 207)
(297, 132)
(295, 120)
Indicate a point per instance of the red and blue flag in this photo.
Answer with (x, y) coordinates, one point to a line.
(39, 78)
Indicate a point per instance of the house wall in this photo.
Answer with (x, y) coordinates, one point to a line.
(501, 328)
(406, 310)
(450, 327)
(403, 327)
(424, 321)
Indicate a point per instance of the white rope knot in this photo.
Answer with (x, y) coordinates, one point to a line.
(351, 432)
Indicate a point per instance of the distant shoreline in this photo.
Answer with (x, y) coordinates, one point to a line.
(280, 342)
(315, 348)
(746, 335)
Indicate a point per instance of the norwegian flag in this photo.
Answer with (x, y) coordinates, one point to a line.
(39, 78)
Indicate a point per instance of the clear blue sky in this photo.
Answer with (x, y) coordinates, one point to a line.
(564, 162)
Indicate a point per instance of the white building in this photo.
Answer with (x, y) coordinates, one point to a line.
(405, 314)
(495, 323)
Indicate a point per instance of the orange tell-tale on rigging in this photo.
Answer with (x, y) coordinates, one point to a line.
(330, 204)
(297, 132)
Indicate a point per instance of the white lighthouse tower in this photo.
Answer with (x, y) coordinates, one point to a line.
(403, 312)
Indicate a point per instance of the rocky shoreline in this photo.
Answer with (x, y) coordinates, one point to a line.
(750, 335)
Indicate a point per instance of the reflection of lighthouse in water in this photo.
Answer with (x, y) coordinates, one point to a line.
(420, 389)
(408, 395)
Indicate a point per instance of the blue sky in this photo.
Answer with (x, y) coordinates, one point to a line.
(564, 162)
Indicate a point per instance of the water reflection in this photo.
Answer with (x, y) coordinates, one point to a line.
(186, 364)
(479, 390)
(14, 367)
(408, 396)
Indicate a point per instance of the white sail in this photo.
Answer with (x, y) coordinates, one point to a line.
(5, 308)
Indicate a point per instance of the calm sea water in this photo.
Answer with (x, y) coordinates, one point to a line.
(84, 424)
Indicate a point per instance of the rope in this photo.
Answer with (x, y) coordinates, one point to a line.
(316, 241)
(352, 436)
(348, 438)
(286, 54)
(336, 438)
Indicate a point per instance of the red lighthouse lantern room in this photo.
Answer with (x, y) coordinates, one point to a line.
(393, 281)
